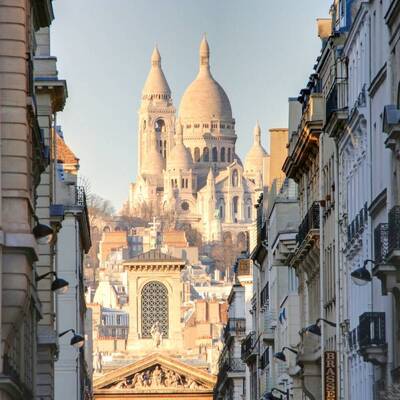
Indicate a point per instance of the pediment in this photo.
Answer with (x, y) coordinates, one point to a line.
(156, 373)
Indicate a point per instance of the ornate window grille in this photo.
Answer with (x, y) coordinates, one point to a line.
(154, 308)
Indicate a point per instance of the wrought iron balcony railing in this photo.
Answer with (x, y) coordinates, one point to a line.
(357, 224)
(235, 326)
(394, 230)
(371, 331)
(310, 222)
(381, 237)
(337, 100)
(248, 346)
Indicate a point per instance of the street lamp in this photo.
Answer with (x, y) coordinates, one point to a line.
(361, 276)
(270, 396)
(316, 329)
(59, 285)
(77, 340)
(280, 355)
(43, 233)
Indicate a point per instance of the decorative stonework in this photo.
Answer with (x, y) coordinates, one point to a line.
(158, 378)
(156, 373)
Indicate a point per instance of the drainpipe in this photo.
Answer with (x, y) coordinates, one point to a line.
(321, 262)
(340, 297)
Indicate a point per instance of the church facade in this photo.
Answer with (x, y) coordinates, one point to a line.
(188, 164)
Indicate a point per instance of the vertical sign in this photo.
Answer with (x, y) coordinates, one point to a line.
(330, 373)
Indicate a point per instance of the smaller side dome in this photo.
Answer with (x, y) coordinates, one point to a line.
(254, 158)
(180, 157)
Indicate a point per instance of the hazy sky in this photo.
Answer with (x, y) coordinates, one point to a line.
(262, 52)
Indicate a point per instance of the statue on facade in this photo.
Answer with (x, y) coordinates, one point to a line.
(156, 334)
(98, 362)
(156, 377)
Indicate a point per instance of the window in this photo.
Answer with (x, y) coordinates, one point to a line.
(197, 125)
(185, 206)
(159, 126)
(235, 178)
(249, 211)
(206, 154)
(215, 154)
(205, 125)
(229, 155)
(196, 154)
(154, 308)
(223, 154)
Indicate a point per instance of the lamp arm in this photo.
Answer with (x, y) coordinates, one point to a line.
(330, 323)
(39, 278)
(288, 348)
(65, 332)
(367, 261)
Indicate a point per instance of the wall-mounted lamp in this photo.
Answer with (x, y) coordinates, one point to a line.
(361, 276)
(43, 233)
(77, 340)
(316, 329)
(59, 285)
(280, 355)
(270, 396)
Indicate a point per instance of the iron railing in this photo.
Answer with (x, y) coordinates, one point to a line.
(236, 326)
(248, 346)
(358, 223)
(337, 98)
(371, 330)
(381, 236)
(310, 221)
(394, 229)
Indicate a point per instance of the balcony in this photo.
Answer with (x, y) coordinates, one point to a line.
(234, 327)
(249, 351)
(310, 224)
(391, 126)
(303, 145)
(336, 106)
(387, 252)
(371, 335)
(393, 256)
(357, 225)
(268, 333)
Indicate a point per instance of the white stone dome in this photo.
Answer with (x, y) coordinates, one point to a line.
(156, 84)
(180, 156)
(254, 158)
(205, 99)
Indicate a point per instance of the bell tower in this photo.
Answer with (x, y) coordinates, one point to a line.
(156, 113)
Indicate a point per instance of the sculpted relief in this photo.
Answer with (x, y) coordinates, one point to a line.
(157, 377)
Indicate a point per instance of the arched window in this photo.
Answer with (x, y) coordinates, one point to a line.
(223, 154)
(235, 178)
(206, 154)
(248, 211)
(154, 308)
(215, 154)
(159, 125)
(196, 154)
(229, 155)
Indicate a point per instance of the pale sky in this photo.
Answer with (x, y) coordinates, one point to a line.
(262, 52)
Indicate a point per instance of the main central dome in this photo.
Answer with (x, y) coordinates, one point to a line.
(205, 99)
